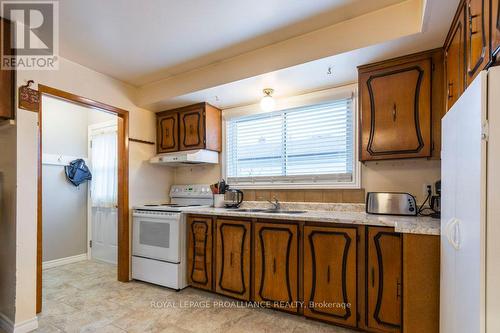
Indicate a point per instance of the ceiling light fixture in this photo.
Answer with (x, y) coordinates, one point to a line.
(267, 103)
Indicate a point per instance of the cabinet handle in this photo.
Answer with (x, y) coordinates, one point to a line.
(274, 265)
(231, 260)
(450, 88)
(394, 112)
(398, 289)
(471, 18)
(328, 274)
(373, 277)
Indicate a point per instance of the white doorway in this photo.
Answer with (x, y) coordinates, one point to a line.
(103, 192)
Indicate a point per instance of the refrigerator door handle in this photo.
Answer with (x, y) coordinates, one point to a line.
(451, 232)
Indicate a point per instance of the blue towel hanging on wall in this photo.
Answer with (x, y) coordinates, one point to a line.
(77, 172)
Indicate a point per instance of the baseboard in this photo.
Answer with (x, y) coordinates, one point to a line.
(9, 327)
(64, 261)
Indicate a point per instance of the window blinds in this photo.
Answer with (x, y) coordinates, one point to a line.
(303, 145)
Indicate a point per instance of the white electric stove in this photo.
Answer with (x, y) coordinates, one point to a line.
(159, 236)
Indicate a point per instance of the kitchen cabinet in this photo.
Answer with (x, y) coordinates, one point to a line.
(199, 251)
(388, 281)
(197, 126)
(168, 132)
(233, 258)
(454, 57)
(330, 274)
(495, 29)
(384, 280)
(477, 35)
(276, 265)
(395, 108)
(7, 77)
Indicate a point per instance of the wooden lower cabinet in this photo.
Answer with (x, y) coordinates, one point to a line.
(384, 280)
(330, 274)
(369, 278)
(276, 265)
(199, 252)
(232, 258)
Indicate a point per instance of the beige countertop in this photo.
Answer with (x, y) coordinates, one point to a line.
(332, 213)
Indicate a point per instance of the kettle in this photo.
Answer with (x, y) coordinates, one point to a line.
(234, 198)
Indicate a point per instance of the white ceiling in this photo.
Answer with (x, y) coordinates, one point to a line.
(313, 75)
(140, 42)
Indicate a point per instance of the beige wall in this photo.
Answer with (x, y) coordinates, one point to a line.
(146, 181)
(7, 220)
(395, 176)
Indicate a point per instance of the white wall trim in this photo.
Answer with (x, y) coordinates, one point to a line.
(55, 159)
(26, 326)
(64, 261)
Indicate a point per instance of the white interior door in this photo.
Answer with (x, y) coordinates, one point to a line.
(104, 234)
(103, 211)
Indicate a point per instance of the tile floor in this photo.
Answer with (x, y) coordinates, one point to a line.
(85, 297)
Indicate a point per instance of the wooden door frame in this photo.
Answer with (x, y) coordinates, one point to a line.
(123, 267)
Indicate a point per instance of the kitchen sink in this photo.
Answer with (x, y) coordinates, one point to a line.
(281, 211)
(273, 211)
(248, 210)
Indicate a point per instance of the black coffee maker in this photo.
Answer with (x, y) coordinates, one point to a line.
(436, 201)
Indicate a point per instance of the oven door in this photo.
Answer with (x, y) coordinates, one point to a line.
(156, 235)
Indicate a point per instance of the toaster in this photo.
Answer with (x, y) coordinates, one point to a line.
(391, 203)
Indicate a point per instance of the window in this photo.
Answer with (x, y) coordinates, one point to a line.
(307, 145)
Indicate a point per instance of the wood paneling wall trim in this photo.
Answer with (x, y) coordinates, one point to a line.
(123, 183)
(325, 196)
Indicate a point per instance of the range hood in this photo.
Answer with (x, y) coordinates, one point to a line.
(188, 157)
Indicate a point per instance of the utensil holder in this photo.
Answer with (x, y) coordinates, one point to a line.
(218, 200)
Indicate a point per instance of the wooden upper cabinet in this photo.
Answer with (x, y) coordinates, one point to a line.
(384, 280)
(168, 132)
(395, 109)
(7, 78)
(330, 262)
(477, 35)
(454, 58)
(276, 265)
(192, 129)
(233, 258)
(200, 251)
(197, 126)
(495, 29)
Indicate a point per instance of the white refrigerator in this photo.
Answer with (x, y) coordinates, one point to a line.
(470, 226)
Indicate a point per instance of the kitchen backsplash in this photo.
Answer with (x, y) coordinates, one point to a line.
(330, 196)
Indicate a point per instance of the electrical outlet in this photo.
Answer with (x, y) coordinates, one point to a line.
(427, 190)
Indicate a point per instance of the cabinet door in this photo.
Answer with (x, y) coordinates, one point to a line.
(168, 132)
(276, 265)
(7, 77)
(495, 28)
(384, 290)
(200, 252)
(192, 127)
(396, 111)
(330, 274)
(477, 37)
(454, 58)
(233, 258)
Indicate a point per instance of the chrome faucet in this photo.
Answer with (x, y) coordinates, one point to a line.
(276, 204)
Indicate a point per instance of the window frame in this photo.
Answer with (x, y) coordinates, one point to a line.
(323, 96)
